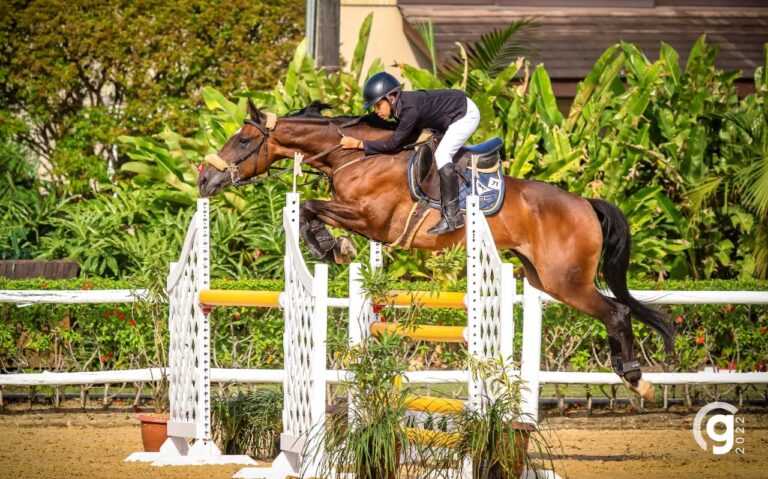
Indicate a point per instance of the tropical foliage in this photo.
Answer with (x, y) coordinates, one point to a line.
(75, 75)
(676, 148)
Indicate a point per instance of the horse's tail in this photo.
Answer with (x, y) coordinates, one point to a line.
(615, 263)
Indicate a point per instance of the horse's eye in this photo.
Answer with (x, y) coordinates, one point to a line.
(243, 140)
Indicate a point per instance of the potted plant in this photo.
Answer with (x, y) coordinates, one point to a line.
(367, 438)
(491, 434)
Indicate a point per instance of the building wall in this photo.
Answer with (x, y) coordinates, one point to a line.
(387, 41)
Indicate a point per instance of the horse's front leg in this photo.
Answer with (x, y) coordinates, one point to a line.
(316, 236)
(314, 216)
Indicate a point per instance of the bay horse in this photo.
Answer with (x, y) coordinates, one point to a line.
(562, 239)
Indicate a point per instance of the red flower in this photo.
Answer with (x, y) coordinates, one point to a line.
(764, 329)
(44, 285)
(132, 322)
(116, 310)
(679, 319)
(103, 359)
(237, 315)
(109, 356)
(87, 285)
(700, 339)
(106, 315)
(121, 315)
(731, 365)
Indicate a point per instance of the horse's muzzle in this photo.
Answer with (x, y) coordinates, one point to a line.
(215, 161)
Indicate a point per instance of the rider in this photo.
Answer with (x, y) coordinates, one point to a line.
(446, 111)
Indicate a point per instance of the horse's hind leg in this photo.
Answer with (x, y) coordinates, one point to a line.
(613, 314)
(617, 321)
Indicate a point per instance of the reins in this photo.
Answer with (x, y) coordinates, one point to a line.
(234, 167)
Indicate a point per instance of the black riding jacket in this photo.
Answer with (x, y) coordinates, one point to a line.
(416, 110)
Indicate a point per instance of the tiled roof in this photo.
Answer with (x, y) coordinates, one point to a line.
(568, 41)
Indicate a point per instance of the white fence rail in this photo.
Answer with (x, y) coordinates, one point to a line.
(96, 296)
(691, 297)
(224, 375)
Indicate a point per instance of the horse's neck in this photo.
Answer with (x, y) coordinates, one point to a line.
(294, 137)
(320, 144)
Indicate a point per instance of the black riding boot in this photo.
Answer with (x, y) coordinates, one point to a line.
(449, 199)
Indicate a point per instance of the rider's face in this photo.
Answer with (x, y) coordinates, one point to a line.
(383, 109)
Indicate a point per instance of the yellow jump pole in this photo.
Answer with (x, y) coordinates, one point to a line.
(423, 332)
(227, 297)
(427, 299)
(435, 405)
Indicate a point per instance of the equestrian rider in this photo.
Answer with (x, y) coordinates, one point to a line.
(446, 111)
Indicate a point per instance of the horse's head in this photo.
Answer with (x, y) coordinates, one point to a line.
(245, 155)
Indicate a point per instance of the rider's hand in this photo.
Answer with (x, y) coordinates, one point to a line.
(348, 143)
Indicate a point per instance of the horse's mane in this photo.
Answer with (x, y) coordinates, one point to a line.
(315, 110)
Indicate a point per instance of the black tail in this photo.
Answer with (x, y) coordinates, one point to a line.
(614, 266)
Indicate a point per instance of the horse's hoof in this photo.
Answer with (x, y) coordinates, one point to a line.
(344, 250)
(644, 389)
(347, 246)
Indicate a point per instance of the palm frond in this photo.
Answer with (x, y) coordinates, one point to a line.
(493, 52)
(427, 33)
(752, 180)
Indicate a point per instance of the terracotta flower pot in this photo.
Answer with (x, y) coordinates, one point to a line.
(154, 431)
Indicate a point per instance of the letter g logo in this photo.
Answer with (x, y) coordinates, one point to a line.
(725, 437)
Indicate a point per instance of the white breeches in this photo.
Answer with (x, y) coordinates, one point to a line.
(457, 134)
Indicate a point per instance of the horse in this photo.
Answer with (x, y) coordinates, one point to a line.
(562, 240)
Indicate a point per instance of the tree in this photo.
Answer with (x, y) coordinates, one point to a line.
(80, 73)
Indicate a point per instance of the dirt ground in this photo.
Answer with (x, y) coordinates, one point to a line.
(92, 444)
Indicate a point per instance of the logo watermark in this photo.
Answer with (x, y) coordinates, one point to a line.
(724, 440)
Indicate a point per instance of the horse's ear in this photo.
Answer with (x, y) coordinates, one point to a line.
(254, 112)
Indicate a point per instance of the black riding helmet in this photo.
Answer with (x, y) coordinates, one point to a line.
(379, 86)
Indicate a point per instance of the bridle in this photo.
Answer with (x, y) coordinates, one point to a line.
(234, 167)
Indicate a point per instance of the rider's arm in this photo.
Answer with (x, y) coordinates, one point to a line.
(408, 115)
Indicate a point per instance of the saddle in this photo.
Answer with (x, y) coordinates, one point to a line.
(425, 168)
